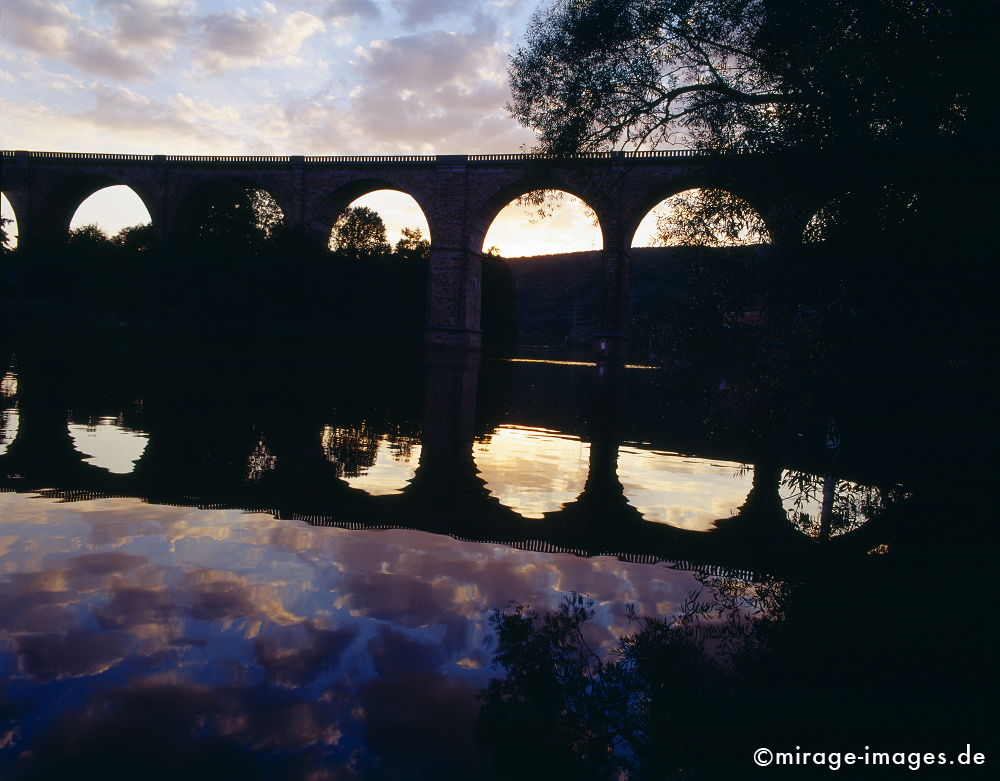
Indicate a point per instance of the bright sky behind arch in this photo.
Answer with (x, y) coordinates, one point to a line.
(114, 208)
(568, 226)
(397, 210)
(257, 77)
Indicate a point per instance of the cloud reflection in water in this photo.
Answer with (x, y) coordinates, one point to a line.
(532, 470)
(682, 491)
(108, 444)
(237, 633)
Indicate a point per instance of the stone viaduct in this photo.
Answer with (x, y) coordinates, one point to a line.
(460, 196)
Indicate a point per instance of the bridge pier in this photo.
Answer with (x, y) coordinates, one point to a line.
(454, 290)
(611, 340)
(455, 274)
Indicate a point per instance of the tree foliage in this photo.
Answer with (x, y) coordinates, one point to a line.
(569, 709)
(235, 216)
(412, 245)
(88, 237)
(752, 75)
(710, 218)
(359, 233)
(92, 239)
(136, 238)
(5, 237)
(883, 110)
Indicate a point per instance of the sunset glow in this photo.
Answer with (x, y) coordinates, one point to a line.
(258, 78)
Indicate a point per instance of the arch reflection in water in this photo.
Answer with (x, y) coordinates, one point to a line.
(532, 470)
(378, 464)
(825, 507)
(8, 428)
(107, 443)
(683, 491)
(8, 385)
(8, 417)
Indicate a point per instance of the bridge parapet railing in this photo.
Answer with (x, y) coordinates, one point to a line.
(83, 155)
(370, 158)
(227, 158)
(514, 156)
(672, 153)
(354, 159)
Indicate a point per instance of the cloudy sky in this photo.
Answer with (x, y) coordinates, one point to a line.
(259, 77)
(270, 77)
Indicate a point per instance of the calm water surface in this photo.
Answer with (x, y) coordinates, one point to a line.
(291, 576)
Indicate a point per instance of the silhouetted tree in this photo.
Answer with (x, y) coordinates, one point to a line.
(135, 238)
(359, 233)
(5, 238)
(746, 664)
(711, 218)
(754, 75)
(89, 238)
(643, 709)
(236, 219)
(884, 86)
(413, 245)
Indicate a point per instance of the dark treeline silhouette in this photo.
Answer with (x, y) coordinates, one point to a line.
(238, 271)
(881, 113)
(688, 305)
(751, 664)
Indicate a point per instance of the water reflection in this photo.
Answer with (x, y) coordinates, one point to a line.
(824, 507)
(8, 385)
(8, 428)
(261, 461)
(246, 634)
(8, 415)
(107, 443)
(466, 467)
(532, 470)
(683, 491)
(340, 630)
(378, 464)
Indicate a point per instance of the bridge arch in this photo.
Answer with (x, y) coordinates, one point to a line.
(654, 198)
(496, 202)
(194, 211)
(460, 196)
(555, 222)
(320, 222)
(111, 209)
(398, 210)
(867, 207)
(68, 195)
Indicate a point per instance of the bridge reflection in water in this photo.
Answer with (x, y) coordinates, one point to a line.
(571, 486)
(146, 617)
